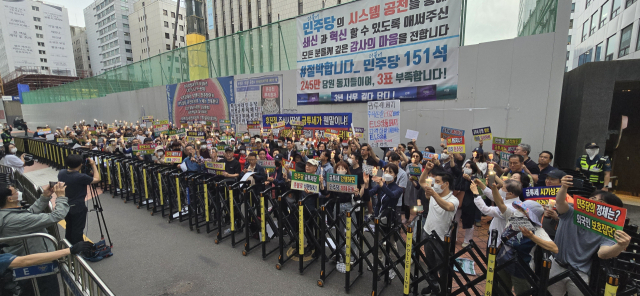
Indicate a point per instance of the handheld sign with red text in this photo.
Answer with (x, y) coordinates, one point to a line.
(455, 144)
(342, 183)
(268, 165)
(145, 149)
(599, 217)
(505, 144)
(217, 167)
(302, 181)
(173, 157)
(542, 195)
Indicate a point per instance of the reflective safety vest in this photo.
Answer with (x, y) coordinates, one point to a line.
(6, 139)
(594, 171)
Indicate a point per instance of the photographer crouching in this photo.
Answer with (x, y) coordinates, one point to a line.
(77, 182)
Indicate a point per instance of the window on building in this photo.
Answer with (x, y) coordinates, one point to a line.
(168, 47)
(38, 27)
(625, 41)
(129, 59)
(36, 19)
(36, 8)
(568, 53)
(180, 16)
(181, 38)
(124, 17)
(127, 42)
(569, 40)
(594, 23)
(125, 25)
(608, 56)
(571, 24)
(173, 15)
(588, 3)
(142, 3)
(166, 24)
(39, 36)
(615, 9)
(573, 7)
(128, 50)
(638, 41)
(604, 13)
(41, 44)
(126, 33)
(300, 8)
(164, 12)
(584, 58)
(629, 2)
(181, 28)
(598, 56)
(585, 30)
(43, 60)
(47, 68)
(166, 35)
(42, 52)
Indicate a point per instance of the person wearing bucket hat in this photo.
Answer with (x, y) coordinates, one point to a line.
(595, 167)
(522, 233)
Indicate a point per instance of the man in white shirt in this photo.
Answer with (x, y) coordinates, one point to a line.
(442, 208)
(510, 192)
(11, 160)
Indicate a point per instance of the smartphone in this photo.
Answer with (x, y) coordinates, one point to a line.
(379, 173)
(52, 183)
(578, 182)
(418, 208)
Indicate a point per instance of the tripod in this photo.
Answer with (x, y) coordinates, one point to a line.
(97, 207)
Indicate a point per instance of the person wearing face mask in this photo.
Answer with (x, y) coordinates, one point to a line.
(159, 155)
(16, 220)
(467, 210)
(346, 202)
(442, 208)
(520, 241)
(11, 160)
(595, 167)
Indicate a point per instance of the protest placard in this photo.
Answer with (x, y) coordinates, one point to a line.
(342, 183)
(44, 131)
(414, 170)
(384, 123)
(268, 165)
(302, 181)
(482, 134)
(455, 144)
(412, 135)
(173, 157)
(504, 159)
(214, 167)
(279, 124)
(599, 217)
(145, 149)
(542, 195)
(446, 132)
(505, 144)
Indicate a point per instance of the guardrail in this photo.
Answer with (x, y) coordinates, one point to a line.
(78, 277)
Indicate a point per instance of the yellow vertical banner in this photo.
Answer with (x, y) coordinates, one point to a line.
(144, 176)
(300, 229)
(197, 56)
(263, 218)
(491, 265)
(133, 182)
(231, 211)
(119, 177)
(407, 261)
(206, 202)
(178, 193)
(160, 186)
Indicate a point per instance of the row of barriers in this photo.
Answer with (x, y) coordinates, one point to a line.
(317, 232)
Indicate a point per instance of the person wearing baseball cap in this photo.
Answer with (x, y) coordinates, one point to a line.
(231, 166)
(550, 219)
(595, 167)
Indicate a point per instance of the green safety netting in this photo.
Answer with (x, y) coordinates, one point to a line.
(264, 49)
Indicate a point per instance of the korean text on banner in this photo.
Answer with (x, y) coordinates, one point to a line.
(342, 183)
(601, 218)
(414, 170)
(379, 50)
(302, 181)
(268, 165)
(482, 134)
(145, 149)
(384, 123)
(455, 145)
(173, 157)
(214, 167)
(504, 159)
(358, 132)
(542, 195)
(313, 122)
(505, 144)
(446, 132)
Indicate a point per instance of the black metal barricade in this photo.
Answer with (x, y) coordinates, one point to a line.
(254, 213)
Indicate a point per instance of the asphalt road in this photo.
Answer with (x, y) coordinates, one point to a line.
(153, 257)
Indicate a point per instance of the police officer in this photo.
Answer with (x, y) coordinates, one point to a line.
(595, 167)
(6, 139)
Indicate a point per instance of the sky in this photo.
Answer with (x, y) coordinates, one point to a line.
(487, 20)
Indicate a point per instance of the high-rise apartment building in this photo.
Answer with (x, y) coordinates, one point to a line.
(107, 27)
(152, 26)
(34, 39)
(603, 30)
(80, 51)
(225, 17)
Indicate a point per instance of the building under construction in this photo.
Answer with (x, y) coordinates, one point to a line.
(36, 78)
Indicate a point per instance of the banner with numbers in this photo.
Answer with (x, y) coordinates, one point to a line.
(384, 123)
(379, 50)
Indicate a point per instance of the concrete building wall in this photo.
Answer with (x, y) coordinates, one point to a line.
(101, 33)
(149, 25)
(81, 51)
